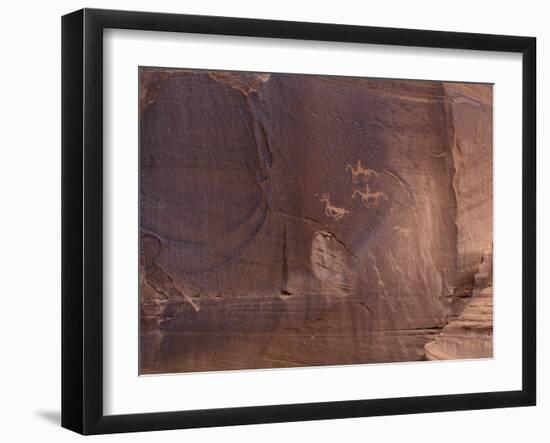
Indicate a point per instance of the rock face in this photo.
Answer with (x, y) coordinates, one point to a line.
(471, 334)
(299, 220)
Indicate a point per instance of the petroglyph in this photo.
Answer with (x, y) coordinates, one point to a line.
(401, 231)
(369, 197)
(359, 171)
(331, 210)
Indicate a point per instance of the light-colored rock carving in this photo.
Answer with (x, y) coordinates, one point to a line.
(359, 171)
(370, 198)
(331, 210)
(401, 231)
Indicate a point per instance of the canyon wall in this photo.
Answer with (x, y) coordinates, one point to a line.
(299, 220)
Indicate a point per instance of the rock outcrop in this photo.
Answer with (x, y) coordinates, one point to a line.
(471, 334)
(298, 220)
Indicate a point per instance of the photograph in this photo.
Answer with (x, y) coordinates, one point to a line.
(247, 222)
(296, 220)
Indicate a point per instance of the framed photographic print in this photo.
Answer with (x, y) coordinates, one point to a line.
(269, 221)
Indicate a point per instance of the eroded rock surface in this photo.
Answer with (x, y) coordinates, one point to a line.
(471, 334)
(293, 220)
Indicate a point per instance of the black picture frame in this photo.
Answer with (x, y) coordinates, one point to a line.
(82, 220)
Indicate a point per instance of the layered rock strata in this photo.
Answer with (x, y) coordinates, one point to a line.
(470, 335)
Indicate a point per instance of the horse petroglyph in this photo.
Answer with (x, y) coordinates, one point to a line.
(367, 196)
(359, 171)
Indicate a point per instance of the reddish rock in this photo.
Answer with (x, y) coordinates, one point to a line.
(296, 220)
(471, 334)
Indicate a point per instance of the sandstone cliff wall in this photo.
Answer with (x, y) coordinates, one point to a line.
(291, 220)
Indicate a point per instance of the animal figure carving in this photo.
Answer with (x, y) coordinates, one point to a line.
(331, 210)
(359, 171)
(367, 196)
